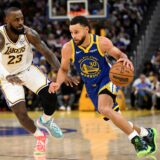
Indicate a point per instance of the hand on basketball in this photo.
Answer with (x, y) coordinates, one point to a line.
(70, 81)
(53, 87)
(126, 62)
(14, 79)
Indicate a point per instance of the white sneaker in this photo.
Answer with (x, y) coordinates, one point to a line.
(62, 108)
(68, 108)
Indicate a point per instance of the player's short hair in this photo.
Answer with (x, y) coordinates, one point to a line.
(11, 9)
(81, 20)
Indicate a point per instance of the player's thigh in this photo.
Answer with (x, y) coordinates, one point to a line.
(105, 102)
(13, 93)
(35, 79)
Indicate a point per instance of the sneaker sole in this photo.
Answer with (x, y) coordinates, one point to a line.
(41, 126)
(144, 153)
(155, 139)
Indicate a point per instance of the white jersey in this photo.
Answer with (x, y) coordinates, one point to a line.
(15, 57)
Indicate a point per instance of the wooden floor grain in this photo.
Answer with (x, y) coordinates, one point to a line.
(86, 137)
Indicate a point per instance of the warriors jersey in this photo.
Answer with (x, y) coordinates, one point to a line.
(93, 69)
(15, 57)
(90, 62)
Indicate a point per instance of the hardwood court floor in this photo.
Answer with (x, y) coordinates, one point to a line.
(86, 137)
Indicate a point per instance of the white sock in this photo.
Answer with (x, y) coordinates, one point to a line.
(45, 118)
(38, 132)
(143, 132)
(132, 135)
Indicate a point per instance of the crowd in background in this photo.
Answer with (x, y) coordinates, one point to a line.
(121, 26)
(146, 88)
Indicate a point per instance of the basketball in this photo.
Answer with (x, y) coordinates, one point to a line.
(120, 75)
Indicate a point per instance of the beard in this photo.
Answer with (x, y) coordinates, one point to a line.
(17, 31)
(81, 41)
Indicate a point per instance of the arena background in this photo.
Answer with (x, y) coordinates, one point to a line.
(132, 25)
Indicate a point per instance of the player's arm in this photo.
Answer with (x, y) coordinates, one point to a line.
(34, 38)
(66, 55)
(106, 46)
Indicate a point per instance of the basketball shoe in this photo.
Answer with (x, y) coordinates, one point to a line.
(141, 147)
(151, 139)
(51, 127)
(40, 147)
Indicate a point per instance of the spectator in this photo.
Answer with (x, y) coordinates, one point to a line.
(141, 96)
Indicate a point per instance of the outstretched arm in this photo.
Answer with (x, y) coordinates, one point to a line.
(34, 38)
(63, 70)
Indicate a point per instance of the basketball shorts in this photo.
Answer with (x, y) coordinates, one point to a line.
(34, 79)
(104, 87)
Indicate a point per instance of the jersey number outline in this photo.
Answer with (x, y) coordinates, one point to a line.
(15, 59)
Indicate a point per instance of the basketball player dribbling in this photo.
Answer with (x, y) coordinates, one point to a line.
(16, 71)
(87, 52)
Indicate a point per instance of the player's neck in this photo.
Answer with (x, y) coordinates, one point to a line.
(12, 36)
(87, 41)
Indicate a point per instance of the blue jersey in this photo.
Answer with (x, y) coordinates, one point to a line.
(90, 62)
(93, 68)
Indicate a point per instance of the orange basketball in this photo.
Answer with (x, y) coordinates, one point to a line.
(120, 75)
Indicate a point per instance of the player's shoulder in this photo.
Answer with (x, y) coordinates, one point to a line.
(67, 45)
(103, 40)
(29, 31)
(67, 49)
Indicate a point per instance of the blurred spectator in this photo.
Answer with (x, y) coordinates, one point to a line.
(141, 93)
(148, 69)
(66, 97)
(155, 90)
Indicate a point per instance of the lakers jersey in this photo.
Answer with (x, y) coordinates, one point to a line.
(90, 62)
(15, 57)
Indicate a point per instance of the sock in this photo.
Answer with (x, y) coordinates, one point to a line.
(143, 132)
(38, 132)
(132, 135)
(45, 118)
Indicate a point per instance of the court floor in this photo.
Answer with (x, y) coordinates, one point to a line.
(86, 137)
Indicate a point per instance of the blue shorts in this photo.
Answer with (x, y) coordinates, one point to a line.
(105, 86)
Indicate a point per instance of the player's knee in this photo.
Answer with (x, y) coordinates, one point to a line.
(105, 110)
(48, 101)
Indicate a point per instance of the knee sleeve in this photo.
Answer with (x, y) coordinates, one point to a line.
(49, 101)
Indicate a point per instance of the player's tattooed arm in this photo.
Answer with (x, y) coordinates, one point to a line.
(2, 41)
(34, 38)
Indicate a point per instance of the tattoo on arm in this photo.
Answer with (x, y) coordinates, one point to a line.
(2, 41)
(34, 38)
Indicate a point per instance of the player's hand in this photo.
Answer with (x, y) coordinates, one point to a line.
(126, 62)
(70, 81)
(14, 79)
(53, 87)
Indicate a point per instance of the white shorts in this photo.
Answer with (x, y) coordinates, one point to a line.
(33, 79)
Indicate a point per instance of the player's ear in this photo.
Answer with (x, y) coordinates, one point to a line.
(87, 28)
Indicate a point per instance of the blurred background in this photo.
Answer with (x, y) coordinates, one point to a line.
(132, 25)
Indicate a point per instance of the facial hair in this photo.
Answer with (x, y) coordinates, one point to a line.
(81, 41)
(17, 31)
